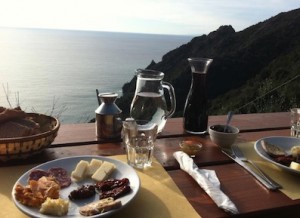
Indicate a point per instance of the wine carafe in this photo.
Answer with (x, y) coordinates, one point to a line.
(149, 103)
(195, 111)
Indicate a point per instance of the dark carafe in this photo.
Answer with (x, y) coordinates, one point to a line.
(195, 111)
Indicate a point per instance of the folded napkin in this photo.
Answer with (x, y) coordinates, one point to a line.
(208, 181)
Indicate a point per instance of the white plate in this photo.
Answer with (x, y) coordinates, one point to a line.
(122, 171)
(286, 143)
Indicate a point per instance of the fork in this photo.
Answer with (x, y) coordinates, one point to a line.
(238, 153)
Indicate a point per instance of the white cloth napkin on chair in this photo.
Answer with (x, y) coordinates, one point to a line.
(208, 181)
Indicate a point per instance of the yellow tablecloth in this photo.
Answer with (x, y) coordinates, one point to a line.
(158, 196)
(289, 181)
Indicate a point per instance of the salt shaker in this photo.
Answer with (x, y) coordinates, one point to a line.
(108, 117)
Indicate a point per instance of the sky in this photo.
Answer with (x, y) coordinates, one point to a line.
(178, 17)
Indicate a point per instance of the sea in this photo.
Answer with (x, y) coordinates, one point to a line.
(57, 72)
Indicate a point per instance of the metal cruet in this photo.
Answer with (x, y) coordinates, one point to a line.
(108, 117)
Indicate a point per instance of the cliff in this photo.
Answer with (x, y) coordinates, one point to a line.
(254, 70)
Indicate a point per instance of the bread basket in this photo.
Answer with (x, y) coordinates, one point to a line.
(24, 147)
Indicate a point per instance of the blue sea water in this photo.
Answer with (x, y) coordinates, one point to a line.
(56, 72)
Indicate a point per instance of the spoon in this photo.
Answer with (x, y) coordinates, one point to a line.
(229, 117)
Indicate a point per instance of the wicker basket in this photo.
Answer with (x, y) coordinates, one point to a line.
(24, 147)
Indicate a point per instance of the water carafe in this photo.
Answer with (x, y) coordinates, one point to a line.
(195, 115)
(149, 102)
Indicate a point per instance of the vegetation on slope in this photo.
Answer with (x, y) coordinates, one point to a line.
(254, 70)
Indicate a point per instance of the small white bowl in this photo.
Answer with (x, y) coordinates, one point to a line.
(221, 138)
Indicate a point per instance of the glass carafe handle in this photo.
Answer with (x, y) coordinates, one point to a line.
(171, 92)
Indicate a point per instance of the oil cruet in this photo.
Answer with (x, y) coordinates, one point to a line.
(195, 113)
(149, 102)
(108, 117)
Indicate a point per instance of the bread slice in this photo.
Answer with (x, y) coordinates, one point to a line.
(103, 171)
(100, 206)
(9, 114)
(11, 129)
(272, 150)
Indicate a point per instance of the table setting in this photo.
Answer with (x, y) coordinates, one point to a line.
(146, 202)
(158, 172)
(193, 166)
(288, 180)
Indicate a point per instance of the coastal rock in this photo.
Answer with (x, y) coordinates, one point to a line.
(247, 65)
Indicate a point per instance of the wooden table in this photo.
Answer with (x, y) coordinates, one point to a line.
(251, 198)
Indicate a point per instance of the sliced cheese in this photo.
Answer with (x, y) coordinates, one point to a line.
(55, 207)
(103, 171)
(93, 167)
(80, 170)
(295, 150)
(294, 165)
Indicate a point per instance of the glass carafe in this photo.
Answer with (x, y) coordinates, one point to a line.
(195, 113)
(149, 102)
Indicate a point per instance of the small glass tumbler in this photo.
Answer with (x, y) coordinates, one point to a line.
(295, 122)
(139, 138)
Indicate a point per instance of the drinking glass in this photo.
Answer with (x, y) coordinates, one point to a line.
(295, 122)
(139, 138)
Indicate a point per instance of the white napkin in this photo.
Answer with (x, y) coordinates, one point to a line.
(208, 181)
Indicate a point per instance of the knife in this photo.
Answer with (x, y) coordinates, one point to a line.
(253, 173)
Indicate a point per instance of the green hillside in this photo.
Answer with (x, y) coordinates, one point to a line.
(254, 70)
